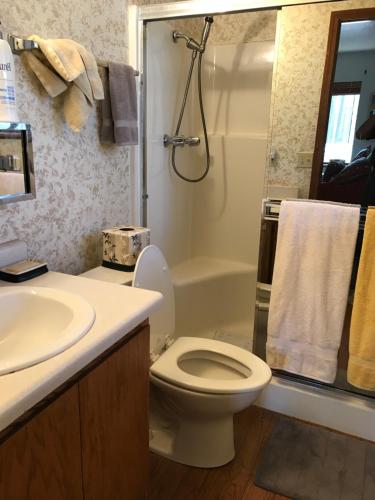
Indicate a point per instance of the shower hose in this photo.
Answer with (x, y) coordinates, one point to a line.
(201, 177)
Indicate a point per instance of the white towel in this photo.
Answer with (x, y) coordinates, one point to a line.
(313, 264)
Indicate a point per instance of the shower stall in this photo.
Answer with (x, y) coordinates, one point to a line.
(221, 125)
(208, 230)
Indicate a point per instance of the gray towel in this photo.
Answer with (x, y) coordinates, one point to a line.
(123, 96)
(106, 125)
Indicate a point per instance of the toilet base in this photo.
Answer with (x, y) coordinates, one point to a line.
(204, 443)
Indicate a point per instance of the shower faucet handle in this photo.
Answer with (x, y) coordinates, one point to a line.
(192, 141)
(180, 140)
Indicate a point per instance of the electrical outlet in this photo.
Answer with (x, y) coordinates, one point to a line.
(304, 159)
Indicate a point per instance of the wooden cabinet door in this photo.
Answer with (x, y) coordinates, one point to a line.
(42, 460)
(114, 423)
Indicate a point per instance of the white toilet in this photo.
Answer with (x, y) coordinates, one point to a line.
(197, 384)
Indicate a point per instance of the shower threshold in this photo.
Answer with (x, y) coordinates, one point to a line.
(340, 386)
(321, 404)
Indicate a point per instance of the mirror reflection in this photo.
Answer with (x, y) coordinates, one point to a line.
(349, 158)
(11, 163)
(16, 163)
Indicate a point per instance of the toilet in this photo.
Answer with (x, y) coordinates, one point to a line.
(197, 384)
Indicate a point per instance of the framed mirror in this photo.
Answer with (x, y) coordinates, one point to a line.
(17, 181)
(344, 158)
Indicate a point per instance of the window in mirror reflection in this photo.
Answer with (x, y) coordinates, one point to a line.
(341, 127)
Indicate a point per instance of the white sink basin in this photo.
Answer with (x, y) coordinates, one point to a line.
(37, 323)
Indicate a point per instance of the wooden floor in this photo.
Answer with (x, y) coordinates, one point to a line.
(169, 480)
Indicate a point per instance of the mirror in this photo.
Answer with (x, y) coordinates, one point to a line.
(16, 163)
(344, 159)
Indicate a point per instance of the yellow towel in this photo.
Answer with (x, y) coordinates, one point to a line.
(361, 368)
(73, 63)
(60, 61)
(53, 84)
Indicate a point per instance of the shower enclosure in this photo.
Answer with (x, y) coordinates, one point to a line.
(210, 231)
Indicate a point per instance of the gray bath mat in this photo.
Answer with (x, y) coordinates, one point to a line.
(304, 462)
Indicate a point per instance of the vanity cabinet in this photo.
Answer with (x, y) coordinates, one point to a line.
(88, 440)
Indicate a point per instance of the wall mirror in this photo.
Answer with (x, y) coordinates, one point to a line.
(344, 157)
(17, 180)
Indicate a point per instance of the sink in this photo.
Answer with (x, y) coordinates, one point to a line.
(36, 323)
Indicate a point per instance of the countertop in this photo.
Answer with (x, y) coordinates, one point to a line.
(119, 309)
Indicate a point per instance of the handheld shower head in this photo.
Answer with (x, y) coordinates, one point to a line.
(206, 32)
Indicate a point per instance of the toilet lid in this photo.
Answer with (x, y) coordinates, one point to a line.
(152, 273)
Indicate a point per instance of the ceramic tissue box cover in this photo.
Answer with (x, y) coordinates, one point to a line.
(122, 245)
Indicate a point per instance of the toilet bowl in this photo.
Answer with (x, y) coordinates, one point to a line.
(197, 384)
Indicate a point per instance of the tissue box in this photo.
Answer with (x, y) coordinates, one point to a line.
(122, 245)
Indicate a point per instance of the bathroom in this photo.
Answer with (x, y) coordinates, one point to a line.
(267, 78)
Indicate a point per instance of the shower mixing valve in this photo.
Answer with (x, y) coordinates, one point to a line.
(180, 140)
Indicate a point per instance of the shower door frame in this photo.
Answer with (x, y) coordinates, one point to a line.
(138, 17)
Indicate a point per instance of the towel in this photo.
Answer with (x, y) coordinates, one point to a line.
(106, 125)
(361, 367)
(313, 263)
(52, 82)
(123, 95)
(72, 63)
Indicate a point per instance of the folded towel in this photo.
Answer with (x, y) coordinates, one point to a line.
(361, 367)
(123, 104)
(62, 56)
(53, 84)
(74, 64)
(313, 263)
(106, 125)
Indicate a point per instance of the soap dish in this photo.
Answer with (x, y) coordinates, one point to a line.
(23, 271)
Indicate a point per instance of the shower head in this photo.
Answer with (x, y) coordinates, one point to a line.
(206, 31)
(190, 42)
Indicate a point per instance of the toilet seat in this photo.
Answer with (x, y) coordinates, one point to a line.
(255, 373)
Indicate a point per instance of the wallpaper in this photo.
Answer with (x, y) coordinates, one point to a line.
(81, 186)
(303, 34)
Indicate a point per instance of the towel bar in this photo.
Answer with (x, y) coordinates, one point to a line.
(18, 45)
(271, 211)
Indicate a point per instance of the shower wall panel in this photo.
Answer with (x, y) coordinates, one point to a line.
(227, 205)
(169, 209)
(238, 81)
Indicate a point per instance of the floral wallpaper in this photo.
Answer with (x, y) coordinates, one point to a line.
(82, 187)
(227, 28)
(233, 28)
(298, 75)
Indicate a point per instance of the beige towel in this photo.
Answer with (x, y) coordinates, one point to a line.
(74, 64)
(361, 368)
(313, 263)
(62, 56)
(53, 84)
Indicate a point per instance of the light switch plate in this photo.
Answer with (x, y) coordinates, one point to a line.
(304, 159)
